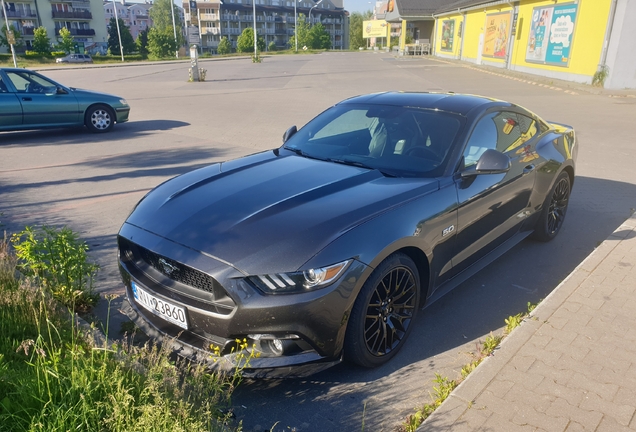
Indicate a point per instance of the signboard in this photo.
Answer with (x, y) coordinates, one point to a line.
(374, 28)
(448, 33)
(193, 5)
(497, 35)
(551, 34)
(10, 37)
(193, 35)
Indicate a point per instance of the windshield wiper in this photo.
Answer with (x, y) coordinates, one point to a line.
(361, 165)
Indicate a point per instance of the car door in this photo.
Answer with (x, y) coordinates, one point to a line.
(42, 104)
(492, 207)
(10, 107)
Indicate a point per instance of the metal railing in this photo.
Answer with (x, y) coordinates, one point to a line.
(83, 15)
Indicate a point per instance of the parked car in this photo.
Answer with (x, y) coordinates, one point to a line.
(328, 247)
(75, 58)
(29, 100)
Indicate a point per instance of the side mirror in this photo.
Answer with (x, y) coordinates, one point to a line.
(61, 90)
(289, 133)
(490, 162)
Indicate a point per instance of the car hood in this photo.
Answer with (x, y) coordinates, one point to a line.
(266, 213)
(93, 94)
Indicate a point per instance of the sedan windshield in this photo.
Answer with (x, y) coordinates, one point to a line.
(398, 141)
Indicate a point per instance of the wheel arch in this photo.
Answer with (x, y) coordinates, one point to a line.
(104, 104)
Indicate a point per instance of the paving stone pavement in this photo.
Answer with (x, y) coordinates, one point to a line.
(571, 366)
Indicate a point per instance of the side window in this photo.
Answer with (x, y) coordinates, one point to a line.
(508, 131)
(482, 138)
(26, 82)
(3, 87)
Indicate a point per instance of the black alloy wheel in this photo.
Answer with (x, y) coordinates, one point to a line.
(554, 209)
(383, 314)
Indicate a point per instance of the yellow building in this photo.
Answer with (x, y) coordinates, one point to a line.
(575, 40)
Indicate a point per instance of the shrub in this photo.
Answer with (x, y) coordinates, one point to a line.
(57, 260)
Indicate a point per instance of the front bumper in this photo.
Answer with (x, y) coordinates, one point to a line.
(311, 325)
(122, 114)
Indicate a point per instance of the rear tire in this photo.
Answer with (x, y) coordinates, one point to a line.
(554, 209)
(382, 315)
(99, 118)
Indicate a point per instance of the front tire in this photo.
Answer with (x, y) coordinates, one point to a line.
(382, 315)
(99, 119)
(554, 210)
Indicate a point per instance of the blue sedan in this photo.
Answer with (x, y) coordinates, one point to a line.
(29, 100)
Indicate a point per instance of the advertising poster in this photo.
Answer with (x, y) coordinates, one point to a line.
(551, 31)
(374, 28)
(497, 35)
(448, 30)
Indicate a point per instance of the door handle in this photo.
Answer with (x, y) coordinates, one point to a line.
(26, 99)
(528, 168)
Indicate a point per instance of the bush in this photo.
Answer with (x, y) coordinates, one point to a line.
(57, 260)
(271, 46)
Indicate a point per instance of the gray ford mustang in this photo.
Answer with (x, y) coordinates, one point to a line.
(327, 247)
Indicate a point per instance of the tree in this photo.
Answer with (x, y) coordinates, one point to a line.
(41, 41)
(162, 19)
(225, 46)
(320, 39)
(312, 37)
(161, 44)
(16, 35)
(142, 43)
(356, 39)
(245, 42)
(65, 42)
(127, 40)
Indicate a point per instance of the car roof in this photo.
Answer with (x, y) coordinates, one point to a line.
(450, 102)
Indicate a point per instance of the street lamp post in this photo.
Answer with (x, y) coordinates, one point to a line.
(316, 5)
(295, 25)
(255, 37)
(174, 27)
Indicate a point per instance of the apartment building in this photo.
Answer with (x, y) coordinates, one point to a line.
(136, 16)
(84, 19)
(274, 20)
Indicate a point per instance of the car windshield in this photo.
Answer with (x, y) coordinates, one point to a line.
(399, 141)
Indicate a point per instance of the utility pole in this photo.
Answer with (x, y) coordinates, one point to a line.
(10, 35)
(121, 47)
(174, 27)
(255, 37)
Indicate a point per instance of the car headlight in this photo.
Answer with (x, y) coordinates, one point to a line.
(300, 281)
(123, 101)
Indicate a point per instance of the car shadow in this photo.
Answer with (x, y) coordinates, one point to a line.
(81, 135)
(445, 331)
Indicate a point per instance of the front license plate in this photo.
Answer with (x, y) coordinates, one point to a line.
(166, 310)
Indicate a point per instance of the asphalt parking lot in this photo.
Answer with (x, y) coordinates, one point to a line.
(91, 182)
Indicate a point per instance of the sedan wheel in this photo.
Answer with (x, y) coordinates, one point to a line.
(383, 314)
(99, 118)
(554, 209)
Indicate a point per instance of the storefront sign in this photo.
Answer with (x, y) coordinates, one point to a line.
(448, 32)
(551, 34)
(497, 35)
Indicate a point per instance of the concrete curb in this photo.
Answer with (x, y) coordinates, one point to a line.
(461, 399)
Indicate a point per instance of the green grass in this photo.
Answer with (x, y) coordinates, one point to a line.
(54, 377)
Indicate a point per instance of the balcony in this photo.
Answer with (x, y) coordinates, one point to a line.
(208, 17)
(231, 31)
(211, 30)
(78, 32)
(81, 15)
(27, 31)
(18, 14)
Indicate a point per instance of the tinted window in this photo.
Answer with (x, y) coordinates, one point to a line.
(397, 140)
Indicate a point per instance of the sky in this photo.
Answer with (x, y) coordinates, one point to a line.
(358, 5)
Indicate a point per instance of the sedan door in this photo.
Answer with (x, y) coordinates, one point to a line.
(492, 207)
(10, 107)
(42, 103)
